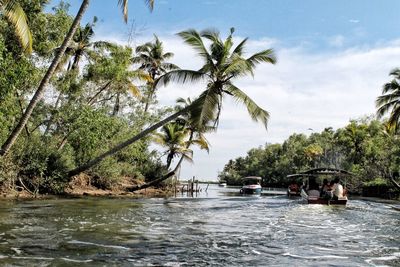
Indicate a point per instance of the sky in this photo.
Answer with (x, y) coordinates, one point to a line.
(333, 58)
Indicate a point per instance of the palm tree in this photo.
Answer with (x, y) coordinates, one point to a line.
(389, 101)
(50, 71)
(221, 66)
(17, 17)
(151, 58)
(174, 136)
(196, 130)
(80, 45)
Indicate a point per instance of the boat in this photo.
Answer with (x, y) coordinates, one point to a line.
(251, 185)
(222, 184)
(315, 174)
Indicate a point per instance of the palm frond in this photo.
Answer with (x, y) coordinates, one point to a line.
(124, 6)
(193, 38)
(237, 66)
(391, 86)
(239, 49)
(134, 90)
(256, 113)
(267, 56)
(180, 76)
(17, 17)
(206, 108)
(202, 144)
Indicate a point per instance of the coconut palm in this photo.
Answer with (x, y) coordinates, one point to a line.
(389, 101)
(174, 136)
(221, 66)
(17, 17)
(151, 58)
(50, 71)
(80, 45)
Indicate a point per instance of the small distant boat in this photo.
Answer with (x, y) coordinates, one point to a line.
(251, 185)
(222, 184)
(314, 173)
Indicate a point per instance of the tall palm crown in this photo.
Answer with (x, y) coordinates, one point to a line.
(152, 59)
(222, 64)
(82, 42)
(17, 17)
(389, 101)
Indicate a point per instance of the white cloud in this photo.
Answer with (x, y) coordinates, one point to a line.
(302, 91)
(354, 21)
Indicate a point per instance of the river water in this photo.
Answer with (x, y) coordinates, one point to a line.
(217, 228)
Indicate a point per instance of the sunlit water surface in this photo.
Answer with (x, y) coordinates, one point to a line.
(217, 228)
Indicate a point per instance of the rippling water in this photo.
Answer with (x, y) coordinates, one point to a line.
(219, 228)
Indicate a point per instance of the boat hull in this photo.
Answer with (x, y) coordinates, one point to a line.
(250, 190)
(293, 193)
(323, 201)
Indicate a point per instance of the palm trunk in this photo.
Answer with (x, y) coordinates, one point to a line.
(116, 105)
(22, 110)
(187, 146)
(91, 100)
(51, 119)
(127, 142)
(42, 86)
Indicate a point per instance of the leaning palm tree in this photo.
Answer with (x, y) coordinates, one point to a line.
(151, 58)
(389, 101)
(17, 17)
(222, 64)
(50, 71)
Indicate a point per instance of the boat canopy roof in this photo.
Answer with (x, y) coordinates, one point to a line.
(321, 171)
(252, 178)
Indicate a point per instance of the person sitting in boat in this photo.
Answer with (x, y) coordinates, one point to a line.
(324, 187)
(294, 187)
(313, 188)
(337, 189)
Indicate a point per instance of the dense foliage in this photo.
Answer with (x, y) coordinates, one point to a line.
(93, 102)
(366, 147)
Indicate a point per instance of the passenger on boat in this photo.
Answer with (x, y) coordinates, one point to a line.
(324, 187)
(294, 187)
(337, 188)
(313, 188)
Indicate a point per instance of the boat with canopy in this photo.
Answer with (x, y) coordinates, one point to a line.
(311, 176)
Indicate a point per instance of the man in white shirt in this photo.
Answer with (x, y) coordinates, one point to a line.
(337, 188)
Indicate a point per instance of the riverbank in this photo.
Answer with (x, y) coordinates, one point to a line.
(82, 186)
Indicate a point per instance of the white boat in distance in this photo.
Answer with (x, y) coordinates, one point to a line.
(251, 185)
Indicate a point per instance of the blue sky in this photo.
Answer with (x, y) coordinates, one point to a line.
(311, 22)
(333, 58)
